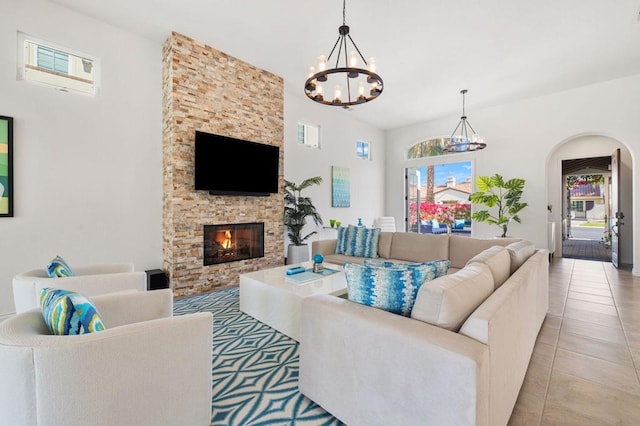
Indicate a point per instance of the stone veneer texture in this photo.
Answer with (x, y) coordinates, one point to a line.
(207, 90)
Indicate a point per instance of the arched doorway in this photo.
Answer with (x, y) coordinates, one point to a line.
(577, 154)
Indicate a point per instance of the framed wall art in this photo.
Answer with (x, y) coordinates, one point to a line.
(340, 191)
(6, 166)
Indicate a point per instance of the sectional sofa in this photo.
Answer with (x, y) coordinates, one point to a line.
(460, 358)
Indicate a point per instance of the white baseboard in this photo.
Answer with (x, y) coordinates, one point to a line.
(5, 316)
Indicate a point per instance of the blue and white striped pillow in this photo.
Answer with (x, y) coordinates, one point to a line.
(392, 289)
(66, 312)
(358, 241)
(442, 266)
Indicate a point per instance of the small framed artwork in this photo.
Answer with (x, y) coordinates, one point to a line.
(340, 191)
(6, 166)
(363, 150)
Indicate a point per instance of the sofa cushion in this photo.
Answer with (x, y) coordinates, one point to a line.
(390, 288)
(447, 301)
(458, 224)
(58, 267)
(461, 249)
(498, 260)
(519, 253)
(66, 312)
(415, 247)
(384, 244)
(358, 241)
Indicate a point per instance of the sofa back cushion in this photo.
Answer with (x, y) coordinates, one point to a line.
(447, 301)
(414, 247)
(461, 249)
(358, 241)
(384, 244)
(519, 253)
(498, 260)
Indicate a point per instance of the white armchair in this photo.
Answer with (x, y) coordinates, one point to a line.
(146, 368)
(88, 280)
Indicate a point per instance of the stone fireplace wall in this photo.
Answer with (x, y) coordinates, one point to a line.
(207, 90)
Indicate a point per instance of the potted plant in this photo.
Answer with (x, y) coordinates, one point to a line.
(296, 211)
(494, 191)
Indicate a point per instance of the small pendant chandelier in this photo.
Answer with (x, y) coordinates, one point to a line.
(368, 84)
(460, 142)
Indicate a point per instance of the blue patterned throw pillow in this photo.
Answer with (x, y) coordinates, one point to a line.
(358, 241)
(66, 312)
(441, 266)
(393, 289)
(58, 268)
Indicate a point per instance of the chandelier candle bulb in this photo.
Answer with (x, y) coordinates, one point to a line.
(337, 94)
(322, 66)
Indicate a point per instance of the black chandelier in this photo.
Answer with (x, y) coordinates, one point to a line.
(460, 142)
(351, 75)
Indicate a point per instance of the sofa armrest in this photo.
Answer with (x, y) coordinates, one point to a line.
(118, 309)
(323, 247)
(369, 367)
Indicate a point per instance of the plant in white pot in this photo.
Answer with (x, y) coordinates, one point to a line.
(494, 191)
(296, 211)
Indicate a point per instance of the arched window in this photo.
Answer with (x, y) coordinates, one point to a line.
(428, 148)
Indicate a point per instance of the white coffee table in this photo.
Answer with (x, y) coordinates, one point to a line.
(271, 298)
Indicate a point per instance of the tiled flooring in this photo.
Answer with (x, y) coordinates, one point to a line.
(585, 365)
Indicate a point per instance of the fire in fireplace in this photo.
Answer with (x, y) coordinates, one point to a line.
(233, 241)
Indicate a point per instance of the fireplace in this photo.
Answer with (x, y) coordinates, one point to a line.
(232, 242)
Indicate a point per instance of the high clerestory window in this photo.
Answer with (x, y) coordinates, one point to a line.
(47, 63)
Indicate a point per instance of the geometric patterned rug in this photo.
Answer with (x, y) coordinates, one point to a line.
(255, 368)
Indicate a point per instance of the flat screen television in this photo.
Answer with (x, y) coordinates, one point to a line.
(229, 166)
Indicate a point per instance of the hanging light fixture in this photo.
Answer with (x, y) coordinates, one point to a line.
(360, 84)
(460, 142)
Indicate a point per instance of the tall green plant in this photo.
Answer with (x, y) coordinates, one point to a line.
(298, 208)
(493, 191)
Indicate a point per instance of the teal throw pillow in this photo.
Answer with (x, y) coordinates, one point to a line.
(358, 241)
(388, 288)
(441, 266)
(69, 313)
(458, 224)
(58, 267)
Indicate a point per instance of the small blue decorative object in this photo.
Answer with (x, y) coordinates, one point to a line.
(318, 258)
(359, 221)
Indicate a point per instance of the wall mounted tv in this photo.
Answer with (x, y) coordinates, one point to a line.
(229, 166)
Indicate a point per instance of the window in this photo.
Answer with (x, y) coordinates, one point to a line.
(363, 150)
(45, 63)
(309, 135)
(577, 206)
(439, 192)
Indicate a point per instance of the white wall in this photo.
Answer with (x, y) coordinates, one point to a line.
(338, 136)
(88, 171)
(521, 137)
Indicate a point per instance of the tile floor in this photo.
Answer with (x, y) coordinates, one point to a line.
(586, 363)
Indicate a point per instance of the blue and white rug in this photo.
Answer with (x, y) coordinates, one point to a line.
(255, 368)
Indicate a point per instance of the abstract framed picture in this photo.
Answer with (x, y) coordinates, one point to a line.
(6, 166)
(340, 192)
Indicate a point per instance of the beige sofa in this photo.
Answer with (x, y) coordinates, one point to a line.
(443, 365)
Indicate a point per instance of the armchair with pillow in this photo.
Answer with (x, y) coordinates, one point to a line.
(146, 367)
(88, 280)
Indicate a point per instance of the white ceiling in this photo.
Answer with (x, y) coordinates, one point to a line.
(426, 50)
